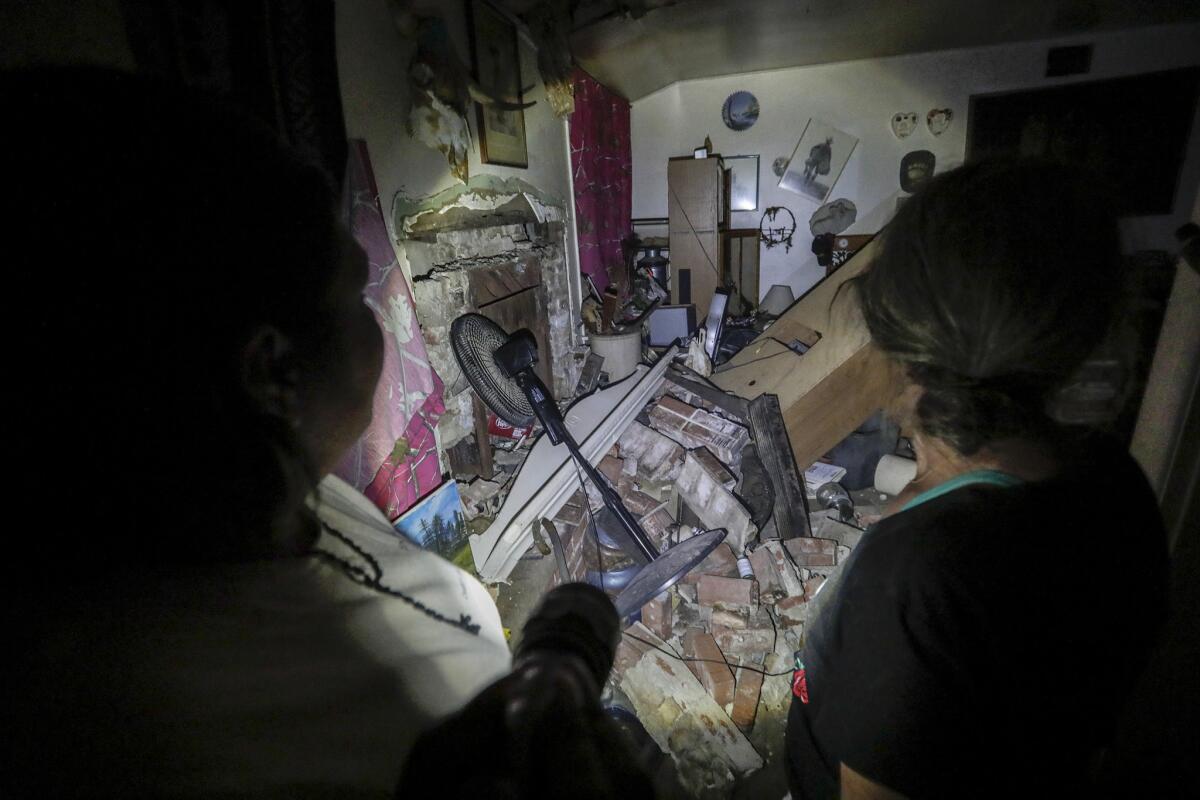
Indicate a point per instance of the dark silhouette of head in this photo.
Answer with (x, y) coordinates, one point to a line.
(991, 285)
(183, 294)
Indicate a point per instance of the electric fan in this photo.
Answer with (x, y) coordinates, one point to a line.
(499, 368)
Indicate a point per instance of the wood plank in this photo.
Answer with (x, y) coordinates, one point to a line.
(837, 405)
(482, 440)
(765, 366)
(840, 381)
(774, 448)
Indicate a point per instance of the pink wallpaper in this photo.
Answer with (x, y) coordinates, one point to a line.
(602, 162)
(395, 463)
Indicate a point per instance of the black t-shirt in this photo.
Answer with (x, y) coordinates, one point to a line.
(981, 643)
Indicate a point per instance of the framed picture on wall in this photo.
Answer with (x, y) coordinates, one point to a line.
(743, 182)
(817, 161)
(496, 60)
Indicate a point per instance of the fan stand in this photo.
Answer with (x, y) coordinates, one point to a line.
(660, 571)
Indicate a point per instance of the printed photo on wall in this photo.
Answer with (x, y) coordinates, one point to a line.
(436, 522)
(497, 62)
(817, 161)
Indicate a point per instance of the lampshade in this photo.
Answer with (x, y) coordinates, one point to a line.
(779, 298)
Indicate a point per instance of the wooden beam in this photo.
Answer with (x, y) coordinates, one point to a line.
(837, 405)
(826, 392)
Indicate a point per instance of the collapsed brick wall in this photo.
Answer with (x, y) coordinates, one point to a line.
(693, 667)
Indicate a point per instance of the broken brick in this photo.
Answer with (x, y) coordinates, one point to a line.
(745, 698)
(789, 576)
(744, 643)
(812, 586)
(683, 394)
(686, 721)
(676, 405)
(658, 617)
(658, 457)
(657, 526)
(729, 619)
(577, 547)
(715, 505)
(610, 467)
(764, 572)
(833, 528)
(792, 611)
(695, 427)
(639, 504)
(729, 593)
(807, 551)
(712, 670)
(715, 467)
(719, 562)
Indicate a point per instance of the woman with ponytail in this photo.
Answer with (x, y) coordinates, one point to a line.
(985, 634)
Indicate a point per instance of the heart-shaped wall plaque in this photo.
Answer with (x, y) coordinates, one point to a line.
(938, 120)
(903, 124)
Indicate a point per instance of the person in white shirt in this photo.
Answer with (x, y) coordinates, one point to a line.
(203, 610)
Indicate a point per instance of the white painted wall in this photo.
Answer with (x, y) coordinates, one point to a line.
(373, 63)
(859, 97)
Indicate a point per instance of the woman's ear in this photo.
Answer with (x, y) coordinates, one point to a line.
(270, 375)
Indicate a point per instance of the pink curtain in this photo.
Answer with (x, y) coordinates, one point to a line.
(395, 463)
(602, 162)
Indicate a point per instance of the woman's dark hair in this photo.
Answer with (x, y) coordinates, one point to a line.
(151, 230)
(991, 285)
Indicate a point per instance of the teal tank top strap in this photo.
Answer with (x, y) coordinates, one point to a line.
(990, 477)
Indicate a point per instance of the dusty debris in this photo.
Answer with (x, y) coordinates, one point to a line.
(736, 594)
(659, 458)
(683, 718)
(480, 497)
(827, 526)
(812, 552)
(657, 525)
(685, 469)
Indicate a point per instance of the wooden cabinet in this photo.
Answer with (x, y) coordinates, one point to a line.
(697, 213)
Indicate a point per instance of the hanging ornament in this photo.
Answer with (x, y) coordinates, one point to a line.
(740, 111)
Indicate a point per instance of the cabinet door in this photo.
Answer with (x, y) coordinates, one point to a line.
(694, 203)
